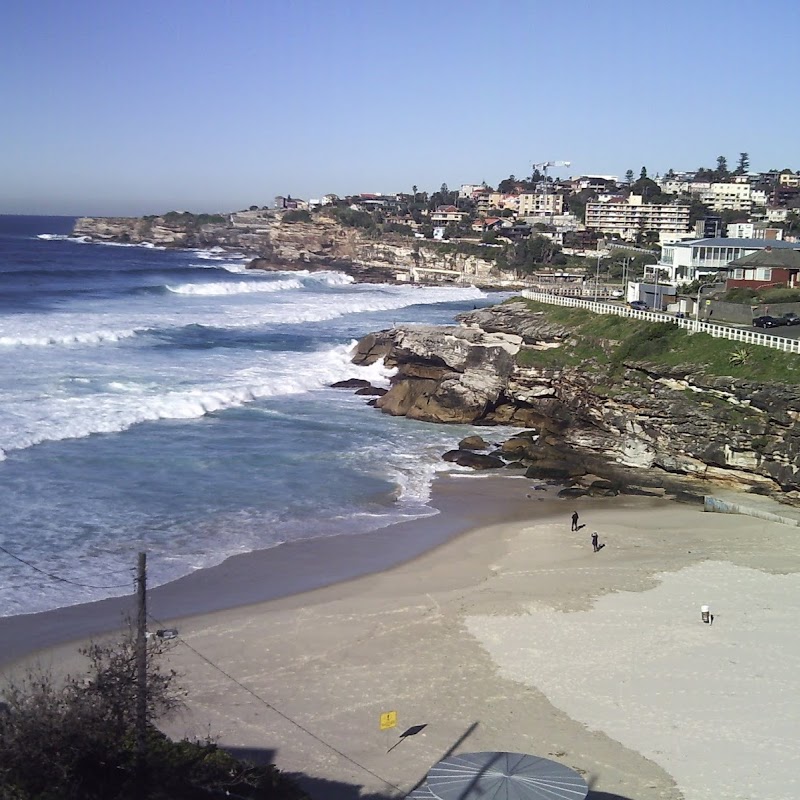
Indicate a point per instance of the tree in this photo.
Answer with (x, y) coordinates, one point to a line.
(704, 174)
(629, 176)
(507, 185)
(647, 188)
(577, 202)
(79, 732)
(722, 168)
(74, 738)
(527, 254)
(792, 222)
(296, 215)
(743, 164)
(697, 209)
(643, 173)
(414, 189)
(670, 174)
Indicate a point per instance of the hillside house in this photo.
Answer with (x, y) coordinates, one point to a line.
(767, 267)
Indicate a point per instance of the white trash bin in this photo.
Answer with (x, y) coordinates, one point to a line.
(705, 613)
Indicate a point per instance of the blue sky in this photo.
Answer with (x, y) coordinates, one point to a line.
(132, 108)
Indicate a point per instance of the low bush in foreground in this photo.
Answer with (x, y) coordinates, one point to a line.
(74, 739)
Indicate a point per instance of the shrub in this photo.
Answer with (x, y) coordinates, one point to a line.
(296, 215)
(74, 738)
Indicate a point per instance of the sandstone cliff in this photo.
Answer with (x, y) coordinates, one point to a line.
(275, 244)
(631, 422)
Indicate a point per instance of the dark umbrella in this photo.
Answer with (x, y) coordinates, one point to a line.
(422, 793)
(504, 776)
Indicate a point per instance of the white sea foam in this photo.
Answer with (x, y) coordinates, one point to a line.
(330, 278)
(58, 418)
(62, 237)
(321, 307)
(238, 287)
(142, 316)
(217, 254)
(65, 339)
(146, 245)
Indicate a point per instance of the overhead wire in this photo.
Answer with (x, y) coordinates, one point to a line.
(219, 669)
(282, 714)
(58, 577)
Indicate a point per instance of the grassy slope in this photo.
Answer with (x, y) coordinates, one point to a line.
(610, 339)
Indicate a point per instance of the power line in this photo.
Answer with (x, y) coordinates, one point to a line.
(59, 578)
(281, 713)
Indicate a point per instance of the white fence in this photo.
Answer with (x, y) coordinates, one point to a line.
(717, 331)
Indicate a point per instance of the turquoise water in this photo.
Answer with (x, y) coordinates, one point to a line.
(172, 402)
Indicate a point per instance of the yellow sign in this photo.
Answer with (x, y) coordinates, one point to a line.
(388, 720)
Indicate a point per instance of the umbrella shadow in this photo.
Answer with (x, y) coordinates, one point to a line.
(605, 796)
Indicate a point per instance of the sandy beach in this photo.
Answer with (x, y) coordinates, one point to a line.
(513, 636)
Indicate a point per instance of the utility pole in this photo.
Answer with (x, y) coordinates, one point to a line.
(597, 278)
(141, 676)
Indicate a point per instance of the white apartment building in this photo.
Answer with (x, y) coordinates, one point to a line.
(503, 200)
(753, 230)
(788, 179)
(728, 197)
(686, 261)
(778, 214)
(628, 219)
(673, 185)
(595, 183)
(539, 204)
(467, 190)
(445, 214)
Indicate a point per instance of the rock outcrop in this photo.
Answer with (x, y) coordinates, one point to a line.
(639, 424)
(278, 245)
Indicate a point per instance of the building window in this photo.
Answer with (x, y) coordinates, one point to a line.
(763, 274)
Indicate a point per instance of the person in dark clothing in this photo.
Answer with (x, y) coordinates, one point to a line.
(594, 541)
(575, 521)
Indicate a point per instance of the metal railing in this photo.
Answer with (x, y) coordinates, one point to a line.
(694, 326)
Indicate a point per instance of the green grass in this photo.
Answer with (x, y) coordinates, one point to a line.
(613, 340)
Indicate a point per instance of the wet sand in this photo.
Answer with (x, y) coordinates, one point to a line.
(513, 635)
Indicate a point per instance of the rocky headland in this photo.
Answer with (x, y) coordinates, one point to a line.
(276, 244)
(597, 416)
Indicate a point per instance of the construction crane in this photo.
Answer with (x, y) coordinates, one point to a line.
(546, 187)
(545, 164)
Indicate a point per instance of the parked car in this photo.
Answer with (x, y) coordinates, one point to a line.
(767, 321)
(639, 305)
(790, 318)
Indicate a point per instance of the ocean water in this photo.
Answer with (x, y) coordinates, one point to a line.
(173, 402)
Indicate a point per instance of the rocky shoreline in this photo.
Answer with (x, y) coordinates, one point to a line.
(646, 430)
(272, 244)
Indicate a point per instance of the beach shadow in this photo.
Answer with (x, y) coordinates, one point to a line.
(580, 527)
(259, 756)
(412, 731)
(323, 789)
(601, 546)
(315, 788)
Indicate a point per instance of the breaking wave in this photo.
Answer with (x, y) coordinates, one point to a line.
(59, 418)
(239, 287)
(91, 337)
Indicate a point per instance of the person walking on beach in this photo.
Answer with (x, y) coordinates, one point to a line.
(595, 545)
(575, 521)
